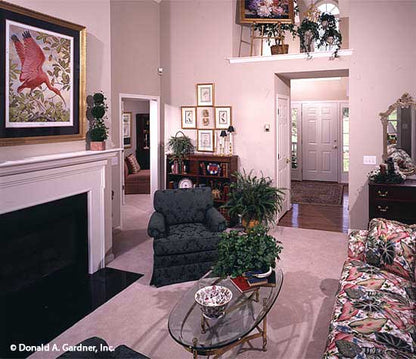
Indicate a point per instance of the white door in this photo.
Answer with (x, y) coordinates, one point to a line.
(320, 141)
(283, 150)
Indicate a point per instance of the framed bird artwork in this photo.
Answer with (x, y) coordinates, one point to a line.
(42, 78)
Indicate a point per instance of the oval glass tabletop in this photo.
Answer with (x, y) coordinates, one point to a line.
(245, 311)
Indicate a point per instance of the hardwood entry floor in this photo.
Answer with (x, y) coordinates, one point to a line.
(312, 216)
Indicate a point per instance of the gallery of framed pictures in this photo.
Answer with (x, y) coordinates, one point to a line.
(42, 78)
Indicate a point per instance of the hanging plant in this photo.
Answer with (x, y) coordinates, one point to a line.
(308, 32)
(330, 35)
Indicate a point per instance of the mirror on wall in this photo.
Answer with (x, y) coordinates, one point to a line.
(399, 133)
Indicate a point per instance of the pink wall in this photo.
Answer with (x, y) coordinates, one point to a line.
(322, 90)
(383, 68)
(197, 56)
(97, 20)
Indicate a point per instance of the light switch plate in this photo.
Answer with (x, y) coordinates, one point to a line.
(369, 160)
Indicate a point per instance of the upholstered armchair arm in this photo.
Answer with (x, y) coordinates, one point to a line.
(157, 226)
(215, 220)
(356, 244)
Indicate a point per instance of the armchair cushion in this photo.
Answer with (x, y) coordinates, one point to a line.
(215, 220)
(183, 205)
(390, 245)
(186, 238)
(157, 227)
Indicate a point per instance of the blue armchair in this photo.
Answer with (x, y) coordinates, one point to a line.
(186, 230)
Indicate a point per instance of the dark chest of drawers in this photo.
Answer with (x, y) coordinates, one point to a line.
(393, 201)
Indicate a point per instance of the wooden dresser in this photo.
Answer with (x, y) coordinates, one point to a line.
(393, 201)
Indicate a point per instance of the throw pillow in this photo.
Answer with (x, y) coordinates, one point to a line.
(132, 164)
(391, 245)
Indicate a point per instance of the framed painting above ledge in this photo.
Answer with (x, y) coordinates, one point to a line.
(266, 11)
(42, 78)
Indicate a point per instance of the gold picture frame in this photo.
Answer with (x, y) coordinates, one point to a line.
(205, 95)
(260, 13)
(61, 116)
(205, 141)
(223, 117)
(188, 117)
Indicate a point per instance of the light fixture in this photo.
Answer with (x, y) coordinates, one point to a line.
(223, 135)
(231, 130)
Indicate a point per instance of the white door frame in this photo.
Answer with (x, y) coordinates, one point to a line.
(341, 178)
(285, 97)
(154, 119)
(296, 174)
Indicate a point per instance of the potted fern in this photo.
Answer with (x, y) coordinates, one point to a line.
(242, 252)
(98, 130)
(254, 199)
(181, 147)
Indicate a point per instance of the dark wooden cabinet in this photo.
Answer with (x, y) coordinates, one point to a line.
(143, 140)
(197, 168)
(393, 201)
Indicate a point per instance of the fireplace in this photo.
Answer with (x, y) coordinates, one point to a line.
(41, 241)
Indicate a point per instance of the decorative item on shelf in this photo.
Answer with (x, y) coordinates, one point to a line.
(216, 193)
(231, 131)
(308, 33)
(387, 172)
(254, 199)
(276, 31)
(240, 252)
(185, 183)
(98, 132)
(331, 37)
(202, 169)
(213, 300)
(213, 168)
(223, 135)
(181, 147)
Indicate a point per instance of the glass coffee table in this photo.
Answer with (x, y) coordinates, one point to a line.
(245, 313)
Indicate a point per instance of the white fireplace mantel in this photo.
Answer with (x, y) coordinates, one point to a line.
(36, 180)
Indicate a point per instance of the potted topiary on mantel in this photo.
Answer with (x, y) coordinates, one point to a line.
(238, 253)
(98, 130)
(254, 199)
(277, 31)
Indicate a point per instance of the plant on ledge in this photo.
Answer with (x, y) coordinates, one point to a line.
(181, 147)
(254, 199)
(277, 31)
(242, 252)
(308, 32)
(98, 130)
(330, 35)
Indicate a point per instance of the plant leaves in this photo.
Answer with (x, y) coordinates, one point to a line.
(348, 349)
(393, 341)
(368, 325)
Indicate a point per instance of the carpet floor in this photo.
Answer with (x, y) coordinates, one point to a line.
(137, 317)
(316, 192)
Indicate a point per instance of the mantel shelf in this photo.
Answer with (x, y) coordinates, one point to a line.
(301, 56)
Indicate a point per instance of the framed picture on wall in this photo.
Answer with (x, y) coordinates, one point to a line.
(205, 141)
(254, 11)
(205, 94)
(188, 115)
(205, 118)
(42, 91)
(223, 117)
(127, 129)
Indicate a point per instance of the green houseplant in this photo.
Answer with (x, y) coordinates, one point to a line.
(98, 130)
(277, 31)
(181, 146)
(242, 252)
(308, 32)
(254, 199)
(330, 37)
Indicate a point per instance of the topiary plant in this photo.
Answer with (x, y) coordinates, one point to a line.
(242, 252)
(98, 130)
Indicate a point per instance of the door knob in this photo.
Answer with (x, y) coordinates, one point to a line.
(288, 160)
(335, 147)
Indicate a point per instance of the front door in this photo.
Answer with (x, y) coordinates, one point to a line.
(284, 154)
(320, 146)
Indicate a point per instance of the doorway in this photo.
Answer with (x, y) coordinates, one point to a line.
(140, 138)
(318, 152)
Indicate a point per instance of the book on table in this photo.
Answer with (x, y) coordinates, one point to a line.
(246, 284)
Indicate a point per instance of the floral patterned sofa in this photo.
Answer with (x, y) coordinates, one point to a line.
(374, 314)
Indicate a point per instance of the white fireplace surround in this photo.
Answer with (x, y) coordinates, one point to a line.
(38, 180)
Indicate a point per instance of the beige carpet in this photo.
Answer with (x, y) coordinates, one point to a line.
(298, 322)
